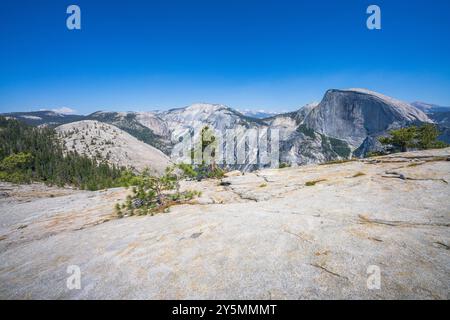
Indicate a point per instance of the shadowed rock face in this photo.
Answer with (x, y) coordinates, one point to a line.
(353, 115)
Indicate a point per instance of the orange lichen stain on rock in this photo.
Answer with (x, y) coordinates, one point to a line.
(322, 253)
(130, 248)
(357, 232)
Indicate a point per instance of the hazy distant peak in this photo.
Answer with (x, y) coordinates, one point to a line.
(429, 107)
(206, 107)
(258, 114)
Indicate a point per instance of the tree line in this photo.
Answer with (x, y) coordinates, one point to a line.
(413, 138)
(35, 154)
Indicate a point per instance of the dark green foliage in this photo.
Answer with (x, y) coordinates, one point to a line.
(118, 209)
(423, 137)
(427, 136)
(16, 161)
(400, 139)
(208, 167)
(329, 145)
(211, 172)
(35, 154)
(335, 146)
(188, 170)
(15, 167)
(340, 147)
(306, 131)
(154, 194)
(284, 165)
(201, 172)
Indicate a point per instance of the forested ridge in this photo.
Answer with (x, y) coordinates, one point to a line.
(35, 154)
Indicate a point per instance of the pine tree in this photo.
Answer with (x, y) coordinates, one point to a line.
(35, 154)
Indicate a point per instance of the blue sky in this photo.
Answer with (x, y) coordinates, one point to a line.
(256, 54)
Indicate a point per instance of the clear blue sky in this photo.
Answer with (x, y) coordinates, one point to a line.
(274, 55)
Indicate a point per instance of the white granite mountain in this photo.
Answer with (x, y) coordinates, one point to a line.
(355, 114)
(197, 116)
(300, 144)
(106, 142)
(345, 123)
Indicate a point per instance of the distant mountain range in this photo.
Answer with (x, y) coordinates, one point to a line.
(344, 123)
(258, 114)
(429, 108)
(49, 118)
(440, 115)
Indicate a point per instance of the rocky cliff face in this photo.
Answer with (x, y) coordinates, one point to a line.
(215, 116)
(298, 144)
(289, 122)
(301, 145)
(221, 120)
(305, 146)
(353, 115)
(344, 120)
(145, 126)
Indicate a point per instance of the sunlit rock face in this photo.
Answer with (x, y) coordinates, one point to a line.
(353, 115)
(269, 234)
(100, 140)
